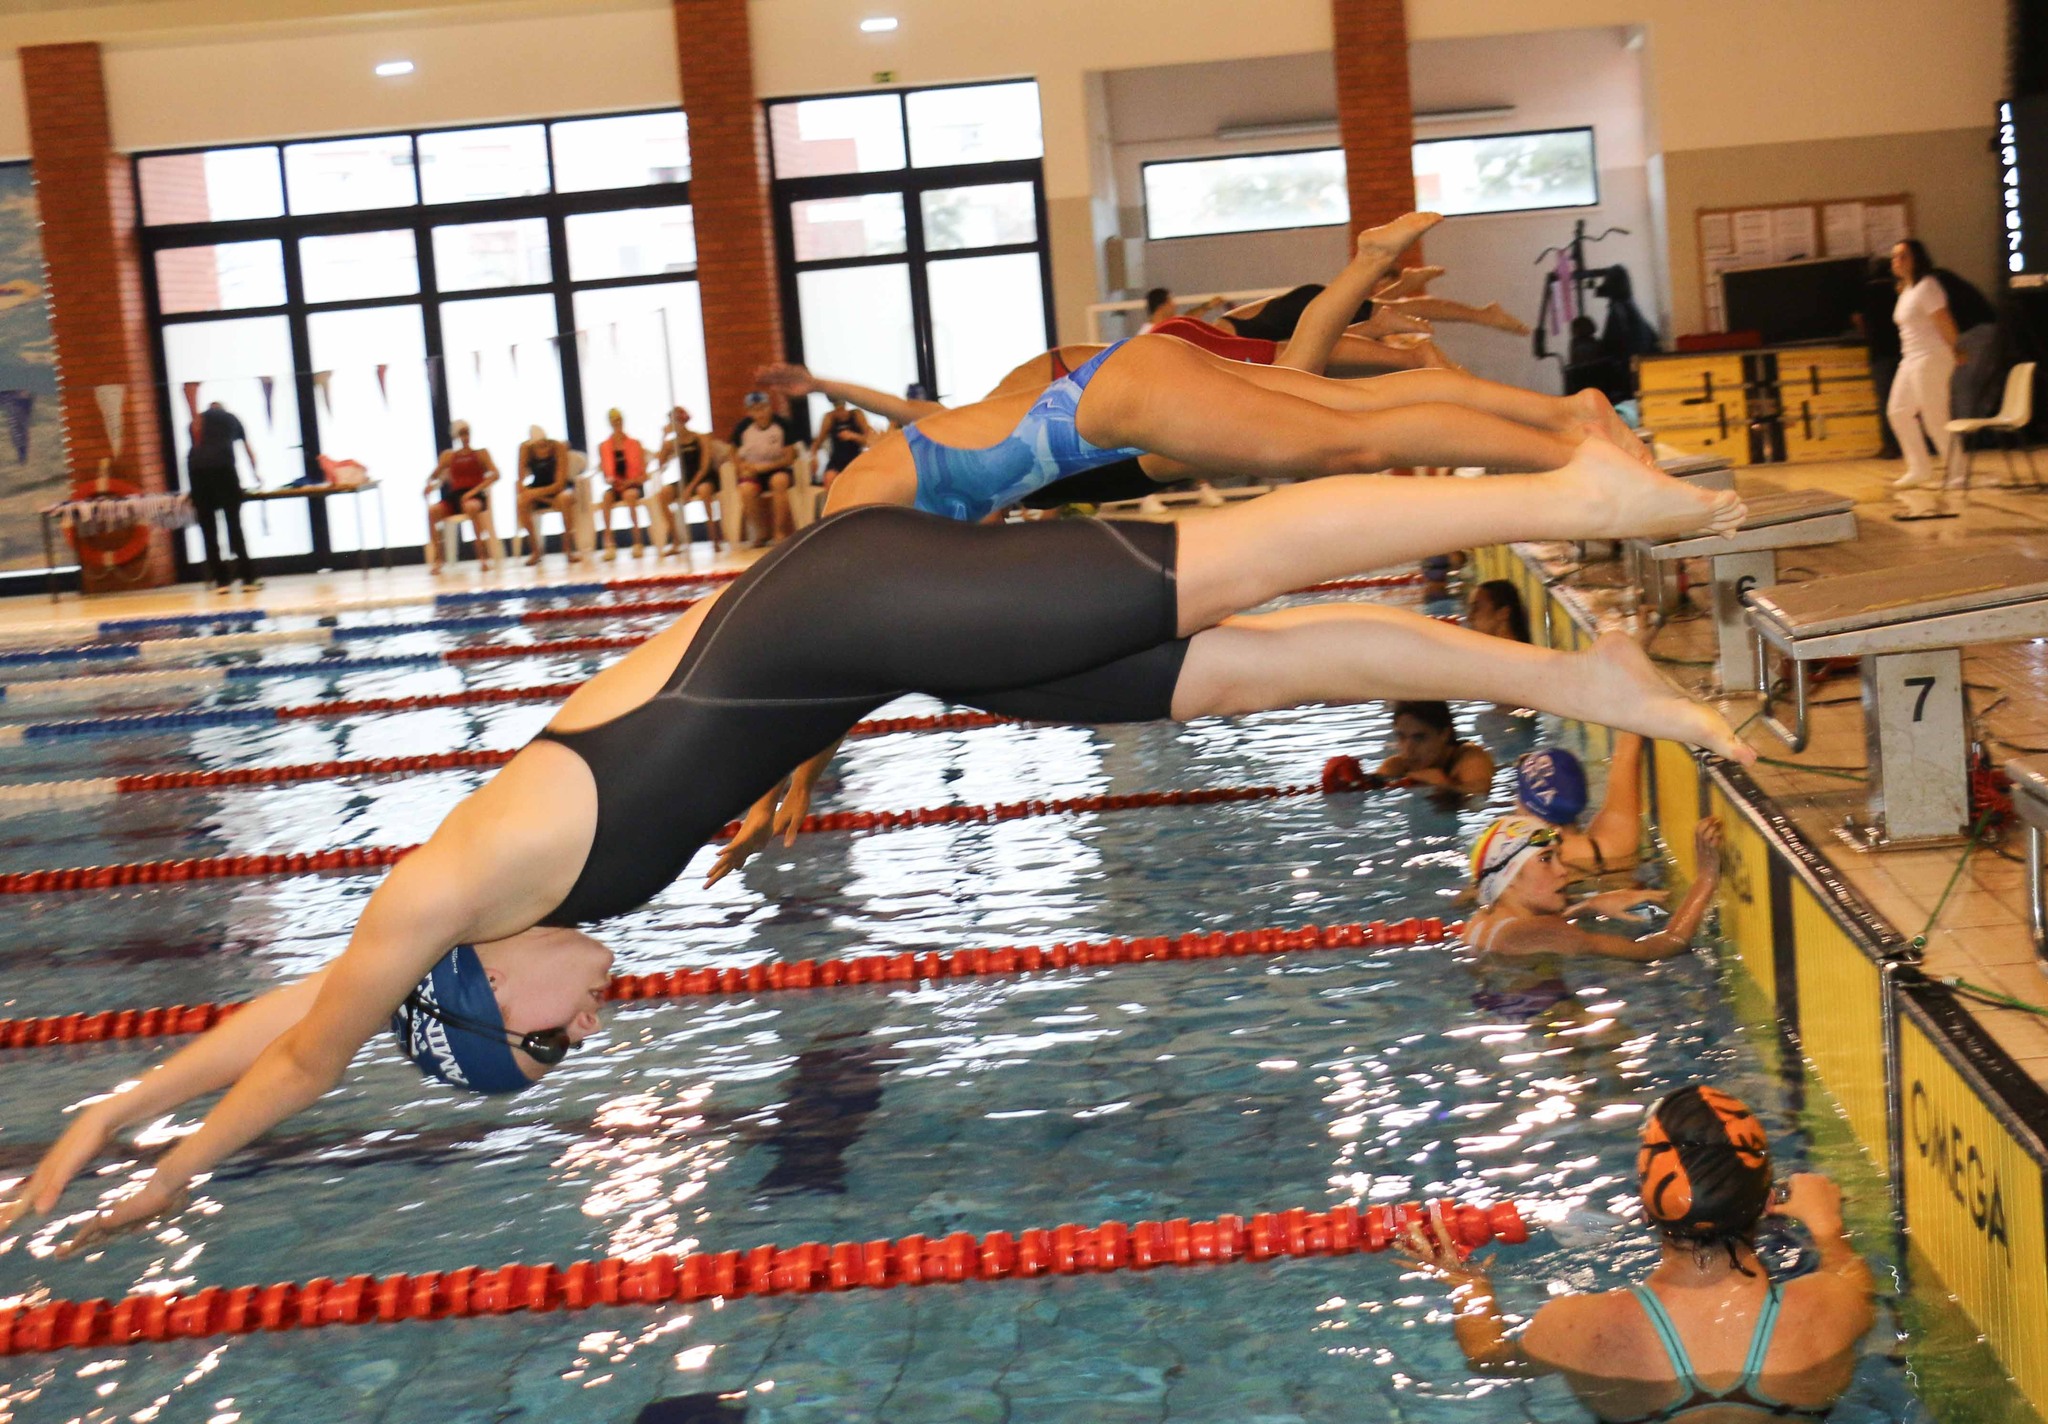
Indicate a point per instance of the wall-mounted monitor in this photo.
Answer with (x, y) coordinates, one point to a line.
(1796, 301)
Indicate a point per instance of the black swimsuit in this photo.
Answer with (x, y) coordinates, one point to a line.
(1276, 320)
(1069, 621)
(540, 470)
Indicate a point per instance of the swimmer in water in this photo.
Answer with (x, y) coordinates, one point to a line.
(1710, 1334)
(1427, 752)
(1550, 785)
(469, 950)
(1523, 909)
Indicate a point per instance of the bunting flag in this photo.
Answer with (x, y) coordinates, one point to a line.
(476, 362)
(16, 407)
(192, 398)
(383, 389)
(514, 351)
(112, 398)
(269, 384)
(321, 380)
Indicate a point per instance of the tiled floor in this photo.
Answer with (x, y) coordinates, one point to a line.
(1981, 933)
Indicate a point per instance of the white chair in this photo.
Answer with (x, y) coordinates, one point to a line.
(805, 497)
(451, 541)
(2015, 413)
(579, 523)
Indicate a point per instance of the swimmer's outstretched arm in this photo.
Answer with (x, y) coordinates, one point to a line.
(488, 872)
(1556, 934)
(794, 380)
(206, 1065)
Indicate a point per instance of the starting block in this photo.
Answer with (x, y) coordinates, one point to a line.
(1748, 559)
(1909, 626)
(2030, 803)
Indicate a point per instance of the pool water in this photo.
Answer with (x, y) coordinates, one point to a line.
(1240, 1085)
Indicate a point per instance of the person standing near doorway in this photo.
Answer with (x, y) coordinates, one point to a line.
(217, 491)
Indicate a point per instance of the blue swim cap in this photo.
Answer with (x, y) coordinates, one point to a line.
(1551, 784)
(455, 1031)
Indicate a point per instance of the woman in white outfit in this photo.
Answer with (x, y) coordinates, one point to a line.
(1918, 408)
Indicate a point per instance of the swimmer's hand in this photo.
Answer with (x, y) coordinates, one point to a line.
(82, 1141)
(796, 804)
(1435, 1250)
(787, 377)
(1812, 1200)
(755, 829)
(1622, 904)
(158, 1197)
(1706, 846)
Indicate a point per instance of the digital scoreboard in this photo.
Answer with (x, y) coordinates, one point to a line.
(2023, 189)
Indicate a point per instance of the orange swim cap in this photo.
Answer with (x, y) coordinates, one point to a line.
(1704, 1168)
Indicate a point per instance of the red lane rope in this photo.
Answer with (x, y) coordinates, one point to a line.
(457, 760)
(912, 1260)
(300, 862)
(704, 980)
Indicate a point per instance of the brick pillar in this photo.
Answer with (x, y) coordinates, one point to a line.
(86, 200)
(1375, 116)
(729, 190)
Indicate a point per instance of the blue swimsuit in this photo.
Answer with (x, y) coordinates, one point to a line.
(970, 485)
(1747, 1392)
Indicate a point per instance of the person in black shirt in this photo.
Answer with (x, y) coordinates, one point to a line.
(217, 490)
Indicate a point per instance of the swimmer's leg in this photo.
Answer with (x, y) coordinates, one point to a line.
(1164, 396)
(1239, 557)
(1357, 652)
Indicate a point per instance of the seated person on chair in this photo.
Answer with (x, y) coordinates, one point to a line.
(461, 485)
(1524, 910)
(765, 446)
(1710, 1333)
(697, 458)
(842, 435)
(624, 463)
(545, 482)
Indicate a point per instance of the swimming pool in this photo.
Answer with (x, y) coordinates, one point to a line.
(1237, 1085)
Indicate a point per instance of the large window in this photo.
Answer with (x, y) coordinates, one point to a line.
(1259, 192)
(354, 297)
(911, 225)
(1507, 173)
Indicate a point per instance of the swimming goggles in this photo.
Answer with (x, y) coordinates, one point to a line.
(546, 1047)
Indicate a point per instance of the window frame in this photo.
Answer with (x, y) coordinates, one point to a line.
(911, 183)
(1592, 146)
(1592, 153)
(1151, 163)
(419, 218)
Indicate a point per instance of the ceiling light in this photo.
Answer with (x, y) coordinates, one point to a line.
(392, 69)
(878, 25)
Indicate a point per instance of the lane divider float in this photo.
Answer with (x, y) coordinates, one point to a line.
(363, 858)
(907, 1261)
(101, 787)
(831, 972)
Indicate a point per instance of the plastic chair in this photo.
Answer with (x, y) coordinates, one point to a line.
(805, 497)
(451, 541)
(2015, 413)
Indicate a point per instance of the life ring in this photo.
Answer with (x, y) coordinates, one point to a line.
(110, 550)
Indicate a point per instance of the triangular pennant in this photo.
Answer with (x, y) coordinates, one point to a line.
(383, 389)
(15, 408)
(476, 363)
(321, 380)
(269, 384)
(113, 400)
(514, 349)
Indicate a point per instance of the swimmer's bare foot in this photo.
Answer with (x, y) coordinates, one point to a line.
(1628, 692)
(1385, 321)
(1594, 409)
(1605, 494)
(1495, 315)
(1412, 282)
(1388, 241)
